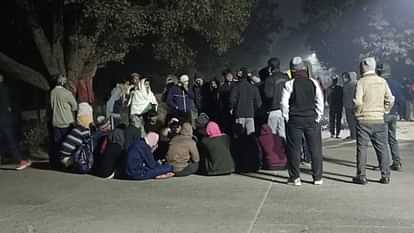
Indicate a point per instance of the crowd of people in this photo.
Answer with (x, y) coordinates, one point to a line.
(241, 123)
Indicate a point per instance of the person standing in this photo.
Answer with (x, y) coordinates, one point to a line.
(273, 87)
(180, 100)
(302, 107)
(373, 98)
(7, 130)
(273, 65)
(63, 105)
(245, 100)
(226, 120)
(335, 107)
(391, 118)
(350, 80)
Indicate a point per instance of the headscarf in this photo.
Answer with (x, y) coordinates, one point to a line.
(85, 115)
(152, 139)
(213, 130)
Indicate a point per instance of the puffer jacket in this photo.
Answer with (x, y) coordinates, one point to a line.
(373, 98)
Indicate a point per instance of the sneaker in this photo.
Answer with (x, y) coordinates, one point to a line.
(384, 180)
(110, 177)
(318, 182)
(295, 182)
(396, 166)
(360, 180)
(67, 162)
(23, 165)
(305, 165)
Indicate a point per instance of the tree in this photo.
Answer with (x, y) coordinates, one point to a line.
(74, 36)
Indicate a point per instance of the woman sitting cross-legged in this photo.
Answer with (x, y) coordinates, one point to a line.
(215, 152)
(140, 163)
(183, 153)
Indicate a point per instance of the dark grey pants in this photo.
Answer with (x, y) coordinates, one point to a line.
(296, 130)
(350, 119)
(394, 148)
(377, 134)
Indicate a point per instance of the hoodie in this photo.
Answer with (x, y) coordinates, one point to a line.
(183, 149)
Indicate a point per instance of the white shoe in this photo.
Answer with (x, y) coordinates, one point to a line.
(23, 165)
(296, 182)
(67, 161)
(110, 177)
(318, 182)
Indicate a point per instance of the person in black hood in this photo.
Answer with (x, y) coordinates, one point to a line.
(245, 101)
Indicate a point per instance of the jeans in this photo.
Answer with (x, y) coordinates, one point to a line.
(247, 124)
(8, 136)
(277, 123)
(335, 124)
(296, 130)
(377, 134)
(58, 135)
(394, 148)
(350, 119)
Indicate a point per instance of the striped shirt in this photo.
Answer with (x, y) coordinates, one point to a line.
(73, 140)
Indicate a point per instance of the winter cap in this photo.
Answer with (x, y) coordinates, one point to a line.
(103, 124)
(184, 78)
(213, 129)
(202, 120)
(297, 64)
(152, 139)
(368, 65)
(255, 79)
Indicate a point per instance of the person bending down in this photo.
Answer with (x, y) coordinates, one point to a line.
(140, 163)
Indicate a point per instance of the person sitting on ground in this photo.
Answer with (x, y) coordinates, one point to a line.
(140, 163)
(152, 122)
(215, 152)
(274, 149)
(201, 125)
(183, 153)
(76, 137)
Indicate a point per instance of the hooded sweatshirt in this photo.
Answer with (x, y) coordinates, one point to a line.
(183, 149)
(141, 99)
(215, 152)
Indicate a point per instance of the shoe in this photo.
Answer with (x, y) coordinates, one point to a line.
(384, 180)
(23, 165)
(110, 177)
(360, 180)
(295, 182)
(396, 166)
(305, 165)
(67, 162)
(338, 137)
(318, 182)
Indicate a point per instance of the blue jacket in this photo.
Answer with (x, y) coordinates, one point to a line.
(140, 160)
(180, 100)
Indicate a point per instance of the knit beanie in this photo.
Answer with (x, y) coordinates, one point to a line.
(213, 129)
(152, 139)
(297, 64)
(368, 65)
(184, 78)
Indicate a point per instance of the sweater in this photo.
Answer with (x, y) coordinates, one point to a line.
(373, 98)
(73, 140)
(63, 105)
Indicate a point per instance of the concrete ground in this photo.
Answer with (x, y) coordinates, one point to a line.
(43, 201)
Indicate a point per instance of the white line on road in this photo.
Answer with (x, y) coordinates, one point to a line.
(259, 209)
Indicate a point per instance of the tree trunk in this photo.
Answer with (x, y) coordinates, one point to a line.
(16, 70)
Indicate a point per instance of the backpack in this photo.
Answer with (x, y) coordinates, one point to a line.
(83, 157)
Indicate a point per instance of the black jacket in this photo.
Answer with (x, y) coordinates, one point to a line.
(245, 99)
(273, 88)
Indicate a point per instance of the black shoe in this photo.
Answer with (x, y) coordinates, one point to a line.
(384, 180)
(396, 166)
(360, 180)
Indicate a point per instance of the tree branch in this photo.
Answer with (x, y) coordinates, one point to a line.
(17, 70)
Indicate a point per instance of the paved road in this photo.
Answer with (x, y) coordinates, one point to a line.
(42, 201)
